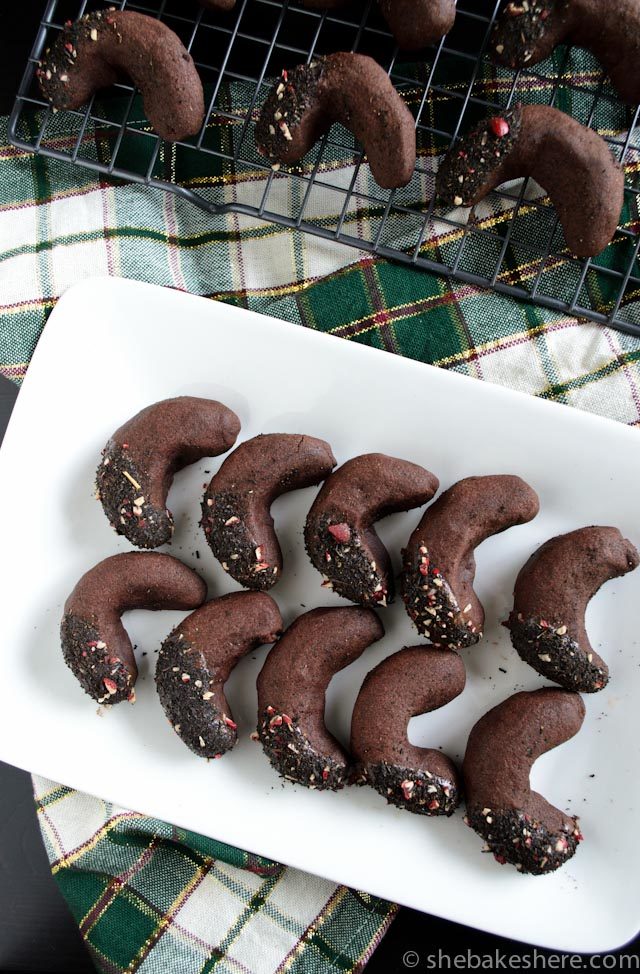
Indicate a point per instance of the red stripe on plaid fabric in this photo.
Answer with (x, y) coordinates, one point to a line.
(375, 942)
(616, 351)
(382, 318)
(355, 328)
(115, 886)
(168, 918)
(339, 893)
(14, 373)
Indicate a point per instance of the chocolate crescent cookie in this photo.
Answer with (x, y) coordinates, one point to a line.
(519, 825)
(551, 595)
(413, 23)
(96, 50)
(236, 514)
(571, 162)
(140, 459)
(95, 644)
(417, 680)
(339, 534)
(439, 564)
(348, 88)
(195, 662)
(527, 33)
(291, 693)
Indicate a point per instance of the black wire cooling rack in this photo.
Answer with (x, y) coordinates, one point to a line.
(511, 243)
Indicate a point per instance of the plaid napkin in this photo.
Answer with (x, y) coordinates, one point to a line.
(147, 896)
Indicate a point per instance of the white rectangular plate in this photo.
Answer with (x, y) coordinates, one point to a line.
(112, 347)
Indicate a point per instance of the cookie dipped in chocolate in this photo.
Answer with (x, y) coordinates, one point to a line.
(518, 825)
(95, 644)
(339, 532)
(348, 88)
(572, 163)
(527, 33)
(552, 591)
(236, 515)
(95, 51)
(291, 693)
(197, 658)
(139, 461)
(416, 680)
(439, 562)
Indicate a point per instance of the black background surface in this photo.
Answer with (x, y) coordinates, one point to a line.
(37, 933)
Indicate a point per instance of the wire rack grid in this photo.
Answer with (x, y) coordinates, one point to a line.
(512, 243)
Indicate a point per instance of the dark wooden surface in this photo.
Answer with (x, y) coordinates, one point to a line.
(37, 933)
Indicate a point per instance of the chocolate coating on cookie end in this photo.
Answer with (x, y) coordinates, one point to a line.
(195, 662)
(339, 534)
(526, 34)
(439, 563)
(519, 825)
(551, 595)
(348, 88)
(95, 644)
(140, 459)
(571, 162)
(416, 680)
(291, 693)
(236, 514)
(96, 50)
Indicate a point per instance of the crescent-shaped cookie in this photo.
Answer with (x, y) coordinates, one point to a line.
(572, 162)
(236, 516)
(527, 33)
(291, 693)
(551, 595)
(348, 88)
(439, 563)
(195, 662)
(519, 825)
(96, 50)
(339, 533)
(95, 644)
(139, 461)
(416, 680)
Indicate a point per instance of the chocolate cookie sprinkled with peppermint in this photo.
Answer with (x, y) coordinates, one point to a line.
(291, 693)
(140, 459)
(339, 534)
(95, 51)
(95, 644)
(573, 164)
(526, 33)
(236, 516)
(439, 563)
(416, 680)
(518, 825)
(551, 595)
(195, 662)
(470, 165)
(348, 88)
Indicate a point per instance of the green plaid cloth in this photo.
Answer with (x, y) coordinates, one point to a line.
(149, 897)
(152, 898)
